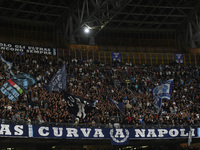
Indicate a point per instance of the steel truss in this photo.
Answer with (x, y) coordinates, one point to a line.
(91, 14)
(189, 29)
(69, 18)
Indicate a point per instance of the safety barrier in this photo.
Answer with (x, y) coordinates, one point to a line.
(129, 57)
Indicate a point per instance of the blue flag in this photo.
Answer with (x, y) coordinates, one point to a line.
(8, 67)
(17, 85)
(119, 105)
(116, 57)
(58, 82)
(162, 91)
(179, 58)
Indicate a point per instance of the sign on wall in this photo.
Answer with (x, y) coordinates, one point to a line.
(11, 130)
(179, 58)
(116, 57)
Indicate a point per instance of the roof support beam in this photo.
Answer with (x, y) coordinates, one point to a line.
(189, 29)
(10, 19)
(158, 6)
(94, 15)
(30, 12)
(150, 12)
(156, 15)
(138, 30)
(42, 4)
(145, 22)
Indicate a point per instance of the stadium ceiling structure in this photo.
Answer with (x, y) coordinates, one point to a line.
(70, 17)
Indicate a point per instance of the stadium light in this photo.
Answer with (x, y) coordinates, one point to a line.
(87, 30)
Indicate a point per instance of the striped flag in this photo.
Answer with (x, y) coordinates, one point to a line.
(15, 86)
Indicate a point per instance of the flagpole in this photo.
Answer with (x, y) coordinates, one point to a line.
(189, 137)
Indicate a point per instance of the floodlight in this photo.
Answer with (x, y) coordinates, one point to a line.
(87, 30)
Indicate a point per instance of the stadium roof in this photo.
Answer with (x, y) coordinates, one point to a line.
(71, 16)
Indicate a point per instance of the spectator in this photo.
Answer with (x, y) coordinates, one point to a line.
(95, 81)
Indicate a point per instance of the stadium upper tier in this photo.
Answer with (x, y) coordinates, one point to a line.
(127, 83)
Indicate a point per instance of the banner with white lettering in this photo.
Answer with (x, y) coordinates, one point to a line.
(116, 136)
(63, 132)
(12, 130)
(24, 49)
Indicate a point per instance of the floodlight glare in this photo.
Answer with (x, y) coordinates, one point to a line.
(87, 30)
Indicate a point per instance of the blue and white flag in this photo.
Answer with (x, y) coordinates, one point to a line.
(58, 82)
(79, 106)
(7, 67)
(17, 85)
(119, 105)
(116, 57)
(179, 58)
(162, 91)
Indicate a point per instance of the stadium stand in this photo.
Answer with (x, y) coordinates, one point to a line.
(95, 81)
(117, 54)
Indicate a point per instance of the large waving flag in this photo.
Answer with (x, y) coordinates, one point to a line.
(17, 85)
(7, 67)
(162, 91)
(58, 82)
(79, 106)
(119, 105)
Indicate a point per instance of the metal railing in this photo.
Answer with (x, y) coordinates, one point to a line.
(98, 125)
(128, 57)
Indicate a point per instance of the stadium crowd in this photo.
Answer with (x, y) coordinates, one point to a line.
(128, 83)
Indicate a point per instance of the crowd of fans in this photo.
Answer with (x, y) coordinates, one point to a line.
(128, 83)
